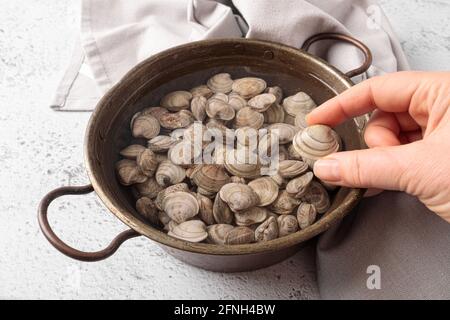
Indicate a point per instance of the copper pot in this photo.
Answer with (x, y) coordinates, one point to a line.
(184, 67)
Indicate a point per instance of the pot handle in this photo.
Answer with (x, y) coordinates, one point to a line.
(63, 247)
(339, 36)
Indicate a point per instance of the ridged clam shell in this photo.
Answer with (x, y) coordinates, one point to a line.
(169, 173)
(218, 109)
(300, 102)
(177, 100)
(149, 188)
(300, 120)
(240, 235)
(210, 177)
(317, 196)
(147, 161)
(238, 196)
(279, 180)
(297, 187)
(268, 230)
(129, 172)
(306, 215)
(161, 143)
(221, 211)
(198, 107)
(277, 92)
(284, 203)
(266, 189)
(201, 91)
(250, 216)
(157, 112)
(163, 193)
(315, 142)
(219, 96)
(132, 151)
(176, 120)
(249, 87)
(185, 153)
(262, 102)
(180, 206)
(218, 232)
(287, 224)
(205, 212)
(221, 82)
(236, 101)
(206, 193)
(275, 114)
(247, 117)
(292, 168)
(243, 169)
(146, 208)
(145, 126)
(286, 132)
(192, 231)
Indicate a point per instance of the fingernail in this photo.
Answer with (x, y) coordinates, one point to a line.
(327, 170)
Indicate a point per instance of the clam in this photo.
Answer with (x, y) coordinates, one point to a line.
(250, 216)
(300, 120)
(292, 168)
(277, 92)
(279, 180)
(221, 211)
(266, 189)
(185, 153)
(149, 188)
(246, 136)
(268, 230)
(217, 128)
(205, 212)
(300, 102)
(206, 193)
(145, 126)
(306, 215)
(315, 142)
(221, 82)
(161, 143)
(286, 132)
(219, 96)
(194, 132)
(201, 91)
(287, 224)
(198, 107)
(177, 100)
(317, 196)
(146, 208)
(297, 187)
(132, 151)
(129, 172)
(249, 87)
(262, 102)
(217, 109)
(170, 225)
(180, 206)
(238, 196)
(236, 101)
(169, 173)
(210, 177)
(239, 164)
(275, 114)
(148, 163)
(247, 117)
(157, 112)
(240, 235)
(163, 193)
(284, 203)
(176, 120)
(218, 232)
(192, 231)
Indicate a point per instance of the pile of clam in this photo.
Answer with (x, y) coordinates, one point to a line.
(227, 202)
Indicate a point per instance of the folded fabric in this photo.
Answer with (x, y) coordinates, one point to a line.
(117, 34)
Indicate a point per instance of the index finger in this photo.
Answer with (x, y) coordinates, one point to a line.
(389, 93)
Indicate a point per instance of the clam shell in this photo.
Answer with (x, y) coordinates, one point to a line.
(177, 100)
(262, 102)
(249, 87)
(279, 180)
(157, 112)
(185, 153)
(161, 143)
(275, 114)
(241, 167)
(148, 163)
(240, 235)
(300, 120)
(192, 231)
(149, 188)
(250, 216)
(221, 211)
(145, 126)
(300, 102)
(163, 218)
(317, 196)
(163, 193)
(221, 82)
(238, 196)
(217, 128)
(236, 101)
(146, 208)
(286, 132)
(205, 212)
(210, 177)
(218, 232)
(206, 193)
(169, 173)
(198, 107)
(277, 92)
(297, 187)
(315, 142)
(284, 203)
(268, 230)
(266, 189)
(246, 136)
(170, 226)
(129, 172)
(217, 109)
(287, 224)
(292, 168)
(247, 117)
(176, 120)
(201, 91)
(132, 151)
(180, 206)
(219, 96)
(306, 215)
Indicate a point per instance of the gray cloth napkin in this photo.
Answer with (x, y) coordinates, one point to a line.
(117, 34)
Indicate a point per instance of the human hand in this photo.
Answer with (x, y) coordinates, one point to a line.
(408, 136)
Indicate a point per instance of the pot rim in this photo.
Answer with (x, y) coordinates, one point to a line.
(160, 237)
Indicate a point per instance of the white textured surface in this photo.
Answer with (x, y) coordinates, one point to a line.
(41, 150)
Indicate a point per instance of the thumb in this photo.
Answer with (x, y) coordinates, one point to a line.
(387, 168)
